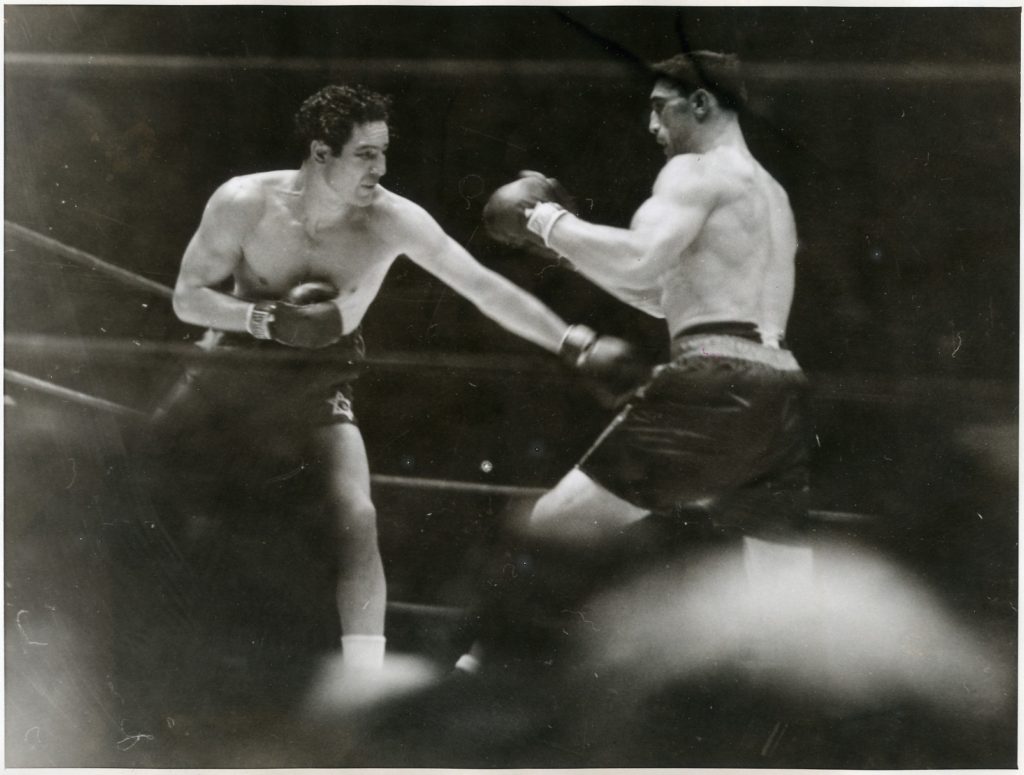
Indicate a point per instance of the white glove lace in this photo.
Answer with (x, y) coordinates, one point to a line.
(542, 219)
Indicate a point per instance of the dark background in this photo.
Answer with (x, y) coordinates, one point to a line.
(895, 131)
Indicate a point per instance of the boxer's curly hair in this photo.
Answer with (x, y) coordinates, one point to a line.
(718, 73)
(331, 113)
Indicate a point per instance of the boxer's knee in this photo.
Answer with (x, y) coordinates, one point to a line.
(549, 509)
(356, 518)
(580, 510)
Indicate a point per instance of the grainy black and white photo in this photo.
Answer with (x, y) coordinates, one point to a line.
(474, 387)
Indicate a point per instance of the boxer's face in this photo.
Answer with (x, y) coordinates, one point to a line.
(355, 172)
(672, 119)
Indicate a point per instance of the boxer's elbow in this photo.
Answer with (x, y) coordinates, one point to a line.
(647, 261)
(612, 251)
(644, 270)
(185, 302)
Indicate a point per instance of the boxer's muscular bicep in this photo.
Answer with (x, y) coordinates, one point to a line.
(212, 257)
(666, 226)
(206, 263)
(661, 230)
(215, 250)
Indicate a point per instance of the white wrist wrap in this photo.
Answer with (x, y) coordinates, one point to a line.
(259, 317)
(363, 651)
(576, 343)
(543, 218)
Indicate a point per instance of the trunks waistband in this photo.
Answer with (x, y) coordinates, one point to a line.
(726, 328)
(739, 328)
(213, 338)
(689, 346)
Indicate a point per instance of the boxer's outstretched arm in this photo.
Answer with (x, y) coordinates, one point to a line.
(662, 229)
(496, 297)
(212, 256)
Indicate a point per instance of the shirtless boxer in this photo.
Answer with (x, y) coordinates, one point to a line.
(712, 252)
(720, 428)
(267, 234)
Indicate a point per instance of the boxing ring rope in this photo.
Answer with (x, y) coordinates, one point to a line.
(74, 396)
(379, 480)
(84, 399)
(114, 350)
(84, 259)
(27, 64)
(849, 388)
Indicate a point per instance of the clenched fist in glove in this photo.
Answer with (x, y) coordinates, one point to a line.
(612, 365)
(307, 317)
(522, 213)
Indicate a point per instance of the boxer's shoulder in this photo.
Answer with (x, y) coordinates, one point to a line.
(696, 171)
(256, 186)
(394, 206)
(245, 196)
(402, 220)
(714, 178)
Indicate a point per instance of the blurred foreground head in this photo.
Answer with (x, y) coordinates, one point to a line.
(835, 624)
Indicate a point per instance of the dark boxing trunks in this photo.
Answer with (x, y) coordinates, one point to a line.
(285, 394)
(721, 428)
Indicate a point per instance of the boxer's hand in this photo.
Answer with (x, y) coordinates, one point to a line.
(310, 325)
(508, 212)
(311, 293)
(612, 364)
(305, 318)
(557, 192)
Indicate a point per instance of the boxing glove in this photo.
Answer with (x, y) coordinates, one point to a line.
(508, 210)
(612, 365)
(305, 318)
(311, 293)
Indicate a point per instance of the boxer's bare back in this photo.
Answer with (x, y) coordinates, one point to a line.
(740, 263)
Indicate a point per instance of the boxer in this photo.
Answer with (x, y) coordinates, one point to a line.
(721, 428)
(263, 236)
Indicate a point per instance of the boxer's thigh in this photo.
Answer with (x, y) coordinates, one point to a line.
(580, 511)
(346, 474)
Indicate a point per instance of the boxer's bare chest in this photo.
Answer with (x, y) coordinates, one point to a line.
(283, 250)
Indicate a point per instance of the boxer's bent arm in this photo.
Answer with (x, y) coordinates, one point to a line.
(496, 297)
(212, 256)
(661, 231)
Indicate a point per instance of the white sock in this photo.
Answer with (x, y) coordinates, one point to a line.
(468, 663)
(363, 651)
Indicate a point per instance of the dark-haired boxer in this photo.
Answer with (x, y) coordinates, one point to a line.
(264, 234)
(721, 426)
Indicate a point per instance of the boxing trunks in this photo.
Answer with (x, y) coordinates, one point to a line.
(721, 429)
(284, 394)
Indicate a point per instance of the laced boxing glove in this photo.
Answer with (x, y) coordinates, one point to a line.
(506, 212)
(304, 318)
(311, 293)
(612, 365)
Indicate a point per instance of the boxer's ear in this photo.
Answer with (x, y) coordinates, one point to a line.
(700, 102)
(319, 151)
